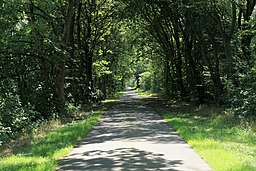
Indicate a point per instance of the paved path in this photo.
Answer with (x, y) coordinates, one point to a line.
(133, 137)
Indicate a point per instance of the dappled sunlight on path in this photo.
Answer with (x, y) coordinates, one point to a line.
(133, 137)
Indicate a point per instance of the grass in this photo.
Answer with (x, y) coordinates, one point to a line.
(225, 145)
(44, 150)
(144, 93)
(43, 153)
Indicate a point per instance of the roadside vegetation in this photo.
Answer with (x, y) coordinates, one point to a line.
(226, 145)
(224, 141)
(58, 56)
(43, 150)
(145, 93)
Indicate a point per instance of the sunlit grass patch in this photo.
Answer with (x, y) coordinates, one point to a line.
(62, 138)
(144, 93)
(43, 153)
(109, 101)
(25, 163)
(223, 144)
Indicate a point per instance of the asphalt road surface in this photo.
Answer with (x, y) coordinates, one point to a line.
(133, 137)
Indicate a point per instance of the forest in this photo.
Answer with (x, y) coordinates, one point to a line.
(58, 55)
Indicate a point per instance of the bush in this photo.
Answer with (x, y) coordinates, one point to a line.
(244, 98)
(145, 80)
(15, 118)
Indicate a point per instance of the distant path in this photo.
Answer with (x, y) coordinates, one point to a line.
(133, 137)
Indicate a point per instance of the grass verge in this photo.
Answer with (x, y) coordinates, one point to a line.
(225, 145)
(43, 153)
(44, 150)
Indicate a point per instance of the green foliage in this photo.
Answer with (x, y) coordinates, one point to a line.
(244, 97)
(145, 79)
(58, 53)
(206, 44)
(15, 117)
(34, 44)
(101, 68)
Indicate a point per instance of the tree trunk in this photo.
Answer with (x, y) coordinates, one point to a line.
(229, 57)
(167, 76)
(60, 75)
(213, 66)
(89, 74)
(227, 37)
(247, 38)
(196, 87)
(178, 65)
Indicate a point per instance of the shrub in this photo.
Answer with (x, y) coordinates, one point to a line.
(244, 97)
(15, 118)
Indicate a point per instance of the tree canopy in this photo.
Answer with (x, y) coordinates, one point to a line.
(58, 53)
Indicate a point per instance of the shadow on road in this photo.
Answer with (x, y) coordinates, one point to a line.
(121, 159)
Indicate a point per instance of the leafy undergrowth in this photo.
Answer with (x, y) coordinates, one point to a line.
(225, 145)
(43, 151)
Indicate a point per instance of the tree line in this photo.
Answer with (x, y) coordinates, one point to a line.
(56, 54)
(203, 50)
